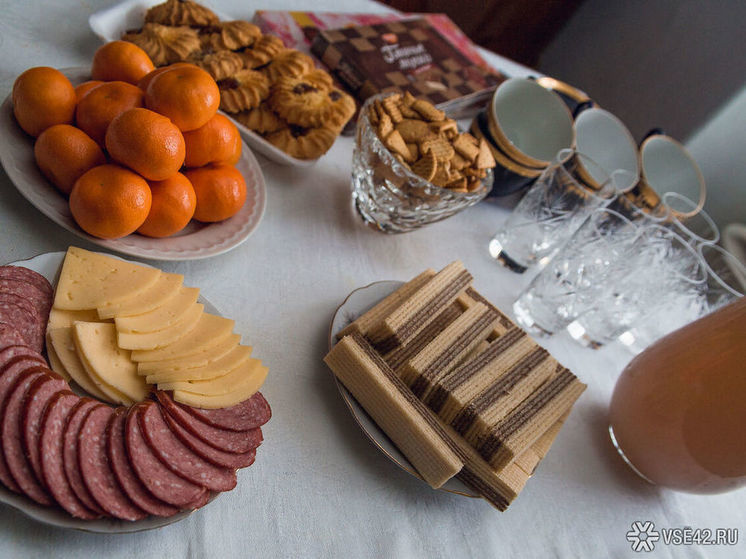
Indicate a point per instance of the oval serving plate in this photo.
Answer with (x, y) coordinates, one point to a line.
(110, 23)
(357, 303)
(49, 265)
(195, 241)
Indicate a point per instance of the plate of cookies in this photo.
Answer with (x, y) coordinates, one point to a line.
(285, 108)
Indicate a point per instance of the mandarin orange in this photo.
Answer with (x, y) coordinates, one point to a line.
(146, 142)
(187, 95)
(147, 78)
(173, 206)
(215, 142)
(220, 190)
(102, 104)
(110, 201)
(82, 89)
(42, 97)
(121, 61)
(63, 153)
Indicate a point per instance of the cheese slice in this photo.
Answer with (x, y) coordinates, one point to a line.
(166, 287)
(241, 393)
(161, 317)
(54, 362)
(208, 355)
(103, 359)
(209, 332)
(89, 280)
(250, 374)
(161, 338)
(237, 356)
(65, 319)
(61, 341)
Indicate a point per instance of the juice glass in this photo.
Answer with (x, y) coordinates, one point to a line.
(678, 411)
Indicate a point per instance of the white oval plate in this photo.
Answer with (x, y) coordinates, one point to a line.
(357, 303)
(109, 24)
(49, 265)
(195, 241)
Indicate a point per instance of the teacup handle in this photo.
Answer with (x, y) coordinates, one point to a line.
(582, 107)
(657, 131)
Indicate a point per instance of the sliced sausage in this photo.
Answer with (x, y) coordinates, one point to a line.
(178, 457)
(95, 471)
(10, 433)
(249, 414)
(25, 323)
(210, 453)
(18, 351)
(21, 273)
(159, 480)
(50, 449)
(120, 465)
(34, 403)
(70, 452)
(222, 439)
(9, 335)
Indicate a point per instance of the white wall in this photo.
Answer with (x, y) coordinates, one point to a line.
(677, 64)
(720, 149)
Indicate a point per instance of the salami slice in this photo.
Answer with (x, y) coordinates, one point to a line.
(13, 351)
(212, 454)
(24, 321)
(25, 274)
(199, 502)
(249, 414)
(17, 300)
(159, 480)
(222, 439)
(41, 300)
(120, 465)
(50, 444)
(10, 433)
(70, 452)
(34, 403)
(177, 457)
(95, 471)
(9, 374)
(9, 335)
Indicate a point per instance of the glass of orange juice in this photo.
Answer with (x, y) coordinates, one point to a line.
(678, 411)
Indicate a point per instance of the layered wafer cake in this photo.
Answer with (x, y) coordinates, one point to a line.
(457, 387)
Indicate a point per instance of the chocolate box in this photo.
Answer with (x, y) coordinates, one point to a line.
(405, 55)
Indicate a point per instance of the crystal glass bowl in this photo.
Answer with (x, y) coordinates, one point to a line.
(391, 198)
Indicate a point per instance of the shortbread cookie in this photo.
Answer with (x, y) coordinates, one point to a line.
(264, 49)
(260, 119)
(165, 44)
(289, 62)
(308, 104)
(242, 91)
(181, 12)
(230, 35)
(219, 64)
(303, 143)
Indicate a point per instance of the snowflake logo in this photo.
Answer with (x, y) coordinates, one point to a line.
(643, 536)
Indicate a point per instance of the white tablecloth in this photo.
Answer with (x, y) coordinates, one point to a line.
(319, 488)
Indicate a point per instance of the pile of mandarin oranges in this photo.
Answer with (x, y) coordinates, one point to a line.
(136, 149)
